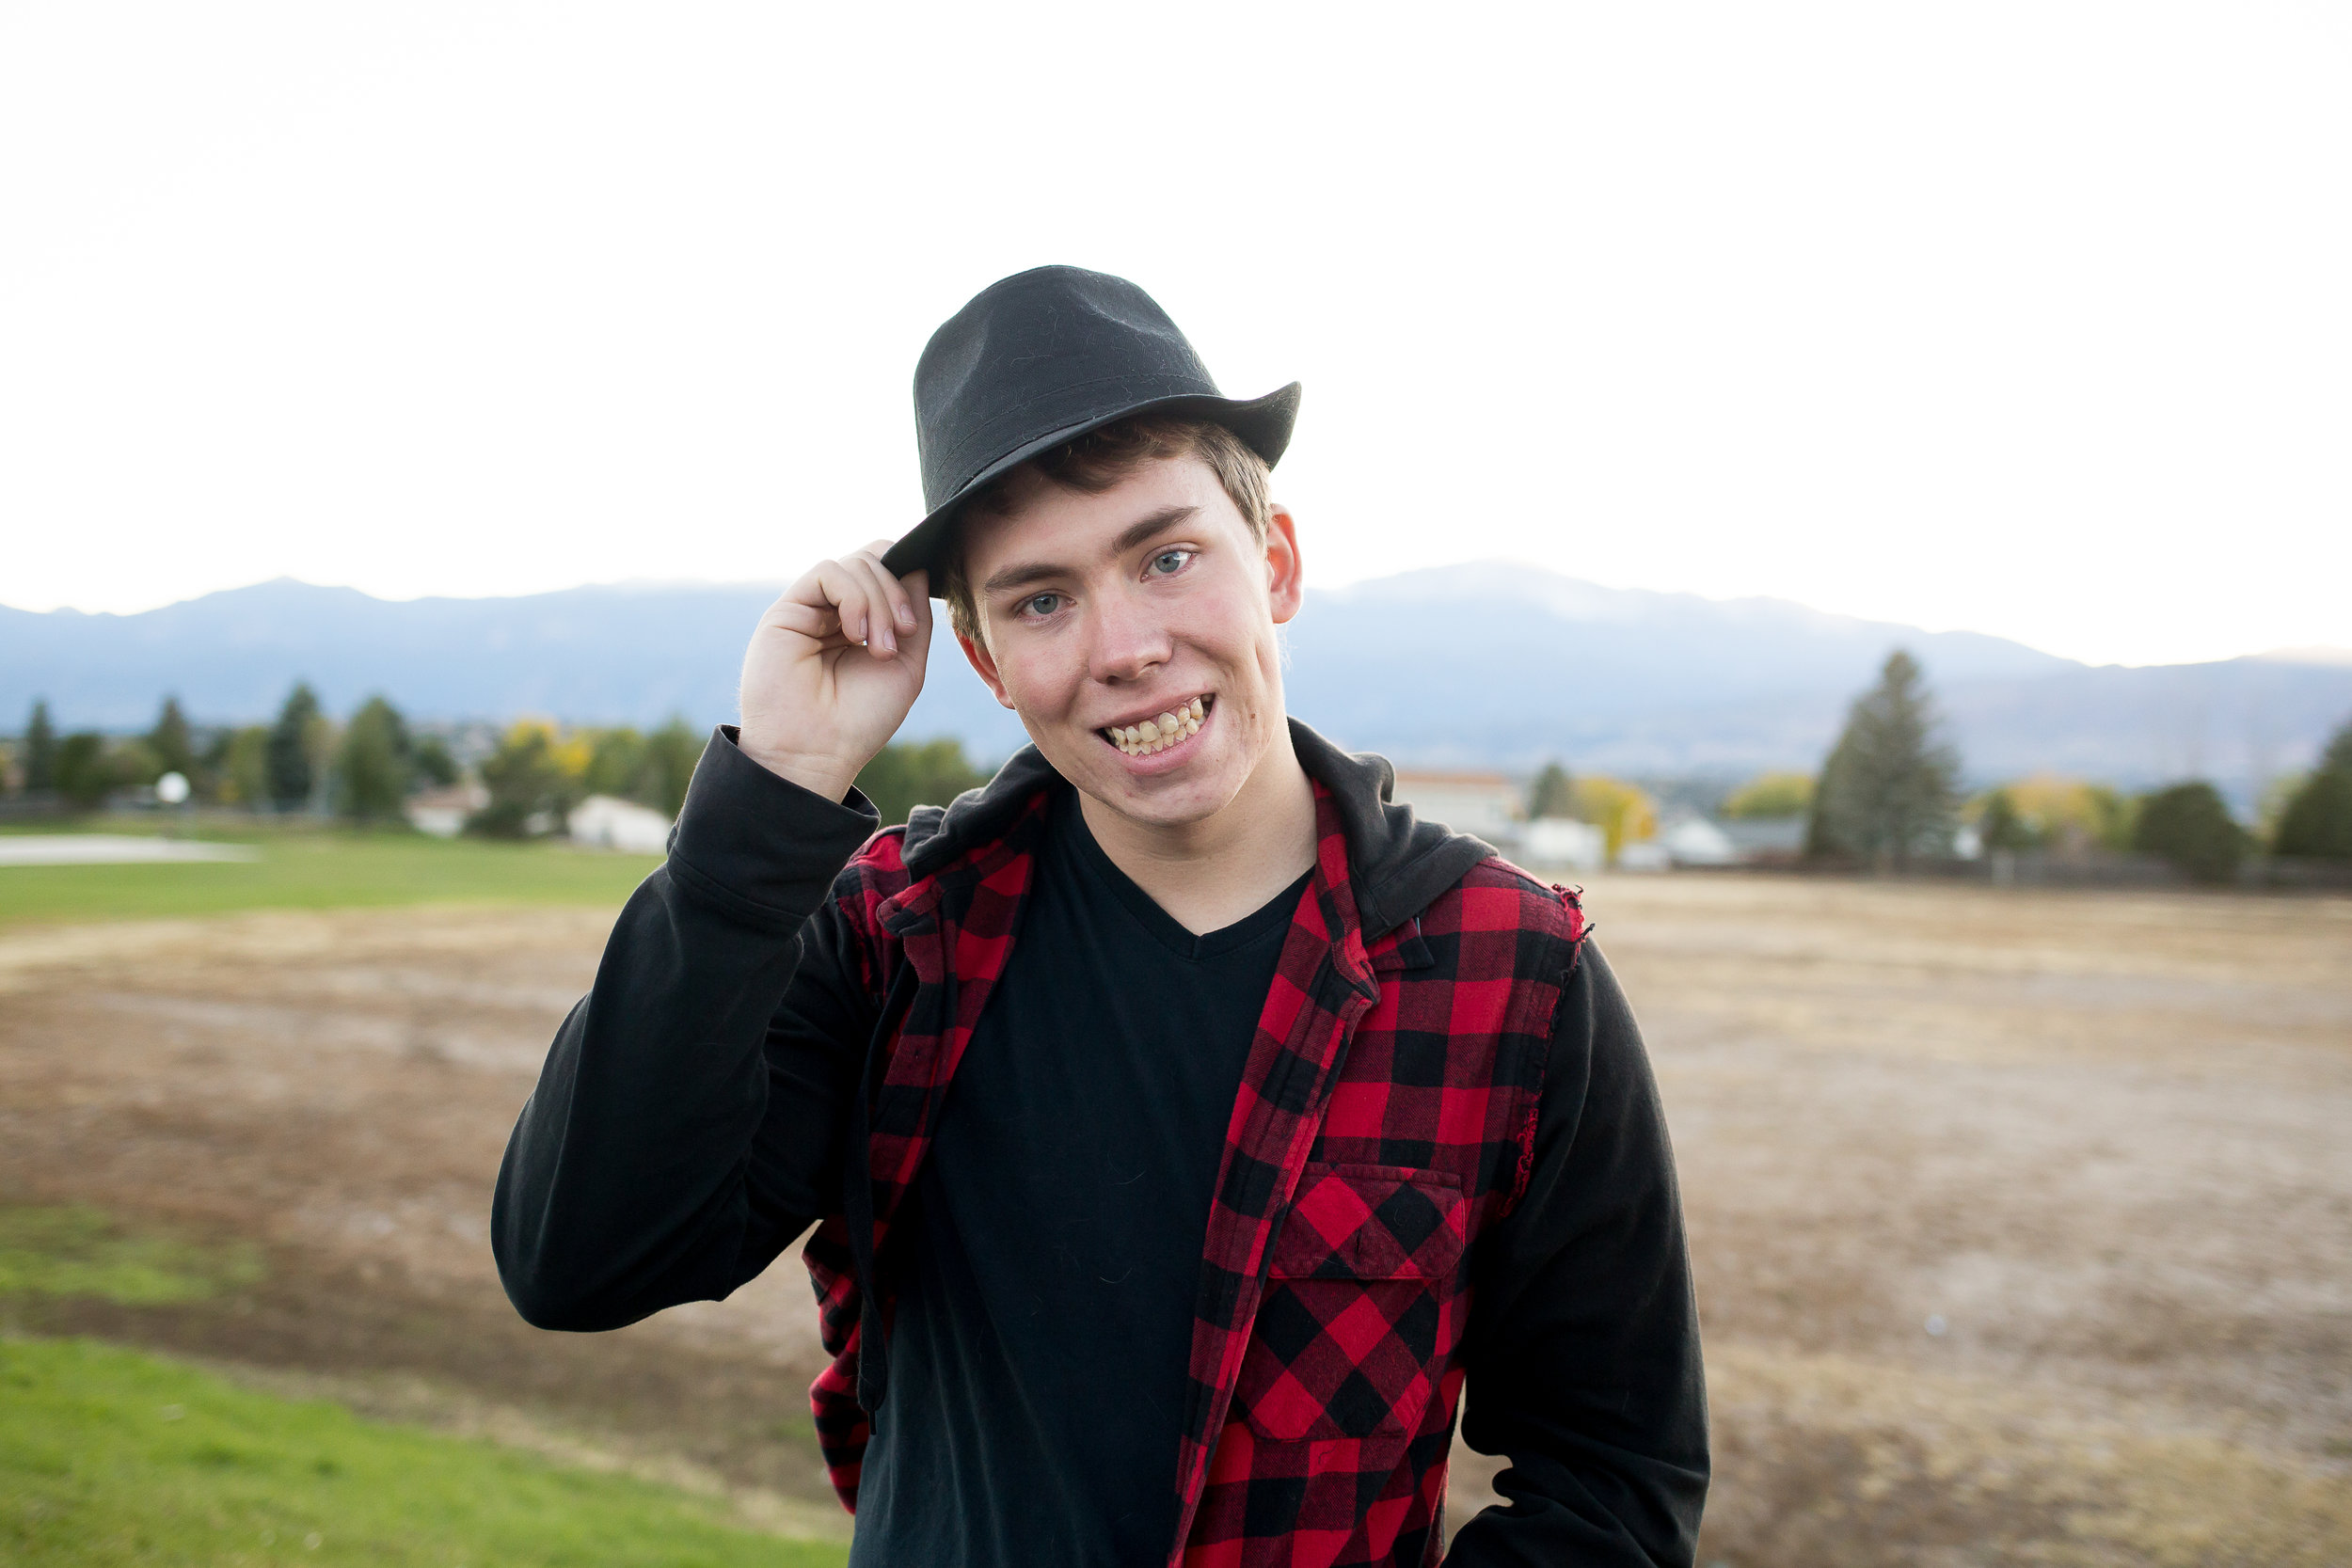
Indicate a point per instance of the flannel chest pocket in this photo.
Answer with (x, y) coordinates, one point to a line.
(1358, 1306)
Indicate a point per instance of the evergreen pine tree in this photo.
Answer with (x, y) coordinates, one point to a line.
(291, 774)
(169, 740)
(2317, 823)
(1553, 793)
(41, 752)
(1887, 791)
(374, 765)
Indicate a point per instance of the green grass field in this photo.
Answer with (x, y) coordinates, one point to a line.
(108, 1456)
(76, 1250)
(315, 868)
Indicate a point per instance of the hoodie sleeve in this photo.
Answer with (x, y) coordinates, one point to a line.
(687, 1122)
(1583, 1365)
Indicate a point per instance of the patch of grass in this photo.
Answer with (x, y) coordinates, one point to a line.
(108, 1457)
(317, 869)
(81, 1251)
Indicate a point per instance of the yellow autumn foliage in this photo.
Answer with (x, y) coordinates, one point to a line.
(1624, 813)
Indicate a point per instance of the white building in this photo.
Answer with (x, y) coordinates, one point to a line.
(1487, 804)
(612, 823)
(1647, 854)
(1696, 841)
(442, 812)
(1764, 840)
(1563, 842)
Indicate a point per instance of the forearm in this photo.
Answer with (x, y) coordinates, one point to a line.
(1584, 1354)
(626, 1186)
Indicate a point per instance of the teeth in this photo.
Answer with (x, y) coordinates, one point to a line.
(1149, 737)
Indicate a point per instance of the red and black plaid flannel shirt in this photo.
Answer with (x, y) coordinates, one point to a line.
(1386, 1118)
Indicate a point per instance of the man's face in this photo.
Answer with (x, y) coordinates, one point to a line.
(1112, 618)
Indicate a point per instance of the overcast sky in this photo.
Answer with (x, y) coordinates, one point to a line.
(2028, 319)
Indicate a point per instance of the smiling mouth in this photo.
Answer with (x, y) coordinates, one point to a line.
(1156, 734)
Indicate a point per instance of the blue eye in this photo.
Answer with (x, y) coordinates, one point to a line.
(1041, 603)
(1168, 562)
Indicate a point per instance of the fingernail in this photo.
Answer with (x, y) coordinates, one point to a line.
(889, 643)
(906, 616)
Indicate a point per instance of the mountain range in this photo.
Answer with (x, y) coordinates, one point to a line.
(1490, 664)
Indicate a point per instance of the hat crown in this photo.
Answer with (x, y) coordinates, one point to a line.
(1039, 358)
(1044, 347)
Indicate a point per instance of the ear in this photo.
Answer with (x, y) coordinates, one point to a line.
(984, 664)
(1286, 574)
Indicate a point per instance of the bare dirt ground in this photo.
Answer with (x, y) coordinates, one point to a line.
(2023, 1219)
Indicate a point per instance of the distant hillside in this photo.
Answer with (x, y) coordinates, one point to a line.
(1490, 664)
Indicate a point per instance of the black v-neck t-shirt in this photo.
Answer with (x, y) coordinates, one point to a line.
(1043, 1327)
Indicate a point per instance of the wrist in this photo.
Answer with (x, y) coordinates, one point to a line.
(819, 774)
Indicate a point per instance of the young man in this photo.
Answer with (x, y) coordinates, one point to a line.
(1181, 1123)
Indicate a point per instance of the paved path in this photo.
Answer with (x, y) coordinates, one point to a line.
(111, 850)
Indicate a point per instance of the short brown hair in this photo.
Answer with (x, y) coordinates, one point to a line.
(1093, 463)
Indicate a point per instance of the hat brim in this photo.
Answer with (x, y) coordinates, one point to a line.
(1263, 423)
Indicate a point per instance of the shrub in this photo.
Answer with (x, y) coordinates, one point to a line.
(2188, 826)
(1772, 795)
(533, 779)
(2001, 826)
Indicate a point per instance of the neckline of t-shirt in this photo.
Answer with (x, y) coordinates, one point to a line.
(1272, 916)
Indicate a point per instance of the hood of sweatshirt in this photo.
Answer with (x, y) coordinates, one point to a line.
(1397, 863)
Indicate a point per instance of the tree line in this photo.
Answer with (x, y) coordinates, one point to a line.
(1888, 797)
(363, 769)
(304, 760)
(366, 768)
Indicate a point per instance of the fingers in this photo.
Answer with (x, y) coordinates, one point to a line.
(826, 602)
(918, 591)
(857, 600)
(901, 607)
(879, 589)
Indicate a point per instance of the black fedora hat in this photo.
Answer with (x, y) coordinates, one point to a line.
(1039, 358)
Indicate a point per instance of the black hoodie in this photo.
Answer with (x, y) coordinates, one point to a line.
(689, 1123)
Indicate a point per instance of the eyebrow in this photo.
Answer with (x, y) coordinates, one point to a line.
(1021, 574)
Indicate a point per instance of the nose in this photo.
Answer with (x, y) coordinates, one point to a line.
(1129, 638)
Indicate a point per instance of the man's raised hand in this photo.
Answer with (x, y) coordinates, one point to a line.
(832, 669)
